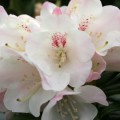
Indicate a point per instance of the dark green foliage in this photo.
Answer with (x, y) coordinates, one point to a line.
(110, 84)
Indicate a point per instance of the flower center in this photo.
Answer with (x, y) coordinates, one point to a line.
(61, 56)
(59, 42)
(68, 107)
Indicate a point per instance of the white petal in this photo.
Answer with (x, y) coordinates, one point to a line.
(82, 47)
(113, 39)
(38, 52)
(104, 23)
(85, 7)
(11, 103)
(63, 22)
(79, 77)
(3, 15)
(102, 26)
(91, 94)
(16, 68)
(47, 7)
(30, 22)
(38, 100)
(48, 112)
(57, 81)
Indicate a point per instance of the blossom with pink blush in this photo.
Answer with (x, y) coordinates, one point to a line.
(98, 66)
(97, 21)
(69, 104)
(14, 30)
(22, 82)
(50, 8)
(60, 53)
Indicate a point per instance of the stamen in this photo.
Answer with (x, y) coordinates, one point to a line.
(95, 66)
(59, 42)
(100, 48)
(31, 93)
(61, 57)
(69, 106)
(18, 48)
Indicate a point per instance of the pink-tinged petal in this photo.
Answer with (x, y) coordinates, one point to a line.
(93, 76)
(2, 11)
(91, 94)
(47, 7)
(99, 65)
(3, 15)
(84, 7)
(16, 68)
(113, 59)
(57, 11)
(50, 110)
(38, 100)
(79, 76)
(59, 96)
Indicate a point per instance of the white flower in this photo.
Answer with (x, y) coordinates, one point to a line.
(69, 105)
(24, 93)
(14, 30)
(61, 52)
(102, 23)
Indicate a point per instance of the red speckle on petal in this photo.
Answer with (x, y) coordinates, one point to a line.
(26, 28)
(59, 40)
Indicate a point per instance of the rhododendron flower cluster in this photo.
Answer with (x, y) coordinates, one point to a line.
(51, 59)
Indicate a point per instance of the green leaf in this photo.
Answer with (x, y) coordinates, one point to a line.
(108, 110)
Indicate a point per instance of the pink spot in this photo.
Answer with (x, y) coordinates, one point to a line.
(58, 40)
(1, 9)
(26, 28)
(83, 25)
(57, 11)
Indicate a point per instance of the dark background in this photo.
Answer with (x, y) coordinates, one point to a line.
(18, 7)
